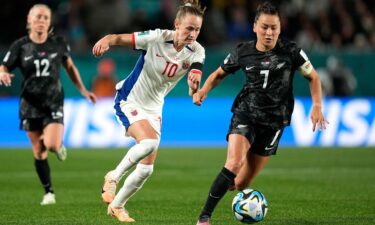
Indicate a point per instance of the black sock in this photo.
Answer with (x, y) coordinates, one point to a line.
(218, 189)
(43, 171)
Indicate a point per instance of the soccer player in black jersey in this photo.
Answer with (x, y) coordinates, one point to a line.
(39, 56)
(263, 107)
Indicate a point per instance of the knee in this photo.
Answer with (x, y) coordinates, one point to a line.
(233, 165)
(52, 147)
(144, 170)
(150, 145)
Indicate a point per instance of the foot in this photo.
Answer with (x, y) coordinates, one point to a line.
(120, 213)
(61, 153)
(48, 199)
(109, 188)
(204, 221)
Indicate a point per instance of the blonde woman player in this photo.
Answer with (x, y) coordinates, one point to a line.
(39, 55)
(166, 56)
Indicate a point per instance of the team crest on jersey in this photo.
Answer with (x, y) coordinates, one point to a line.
(41, 54)
(265, 63)
(134, 112)
(185, 65)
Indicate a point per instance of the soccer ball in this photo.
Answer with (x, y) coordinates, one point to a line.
(249, 206)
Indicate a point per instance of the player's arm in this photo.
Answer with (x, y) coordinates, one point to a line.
(75, 77)
(5, 76)
(194, 77)
(212, 81)
(109, 40)
(317, 117)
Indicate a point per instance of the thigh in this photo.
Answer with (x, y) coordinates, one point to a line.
(142, 129)
(252, 166)
(238, 146)
(53, 135)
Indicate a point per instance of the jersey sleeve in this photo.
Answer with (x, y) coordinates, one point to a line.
(65, 48)
(11, 58)
(230, 64)
(200, 56)
(141, 40)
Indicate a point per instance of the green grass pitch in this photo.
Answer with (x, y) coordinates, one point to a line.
(303, 186)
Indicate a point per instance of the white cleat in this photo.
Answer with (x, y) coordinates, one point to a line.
(62, 153)
(120, 213)
(48, 199)
(109, 188)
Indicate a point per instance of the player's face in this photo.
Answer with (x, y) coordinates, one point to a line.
(188, 28)
(39, 19)
(267, 28)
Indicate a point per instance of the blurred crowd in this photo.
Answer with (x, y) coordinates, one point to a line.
(315, 24)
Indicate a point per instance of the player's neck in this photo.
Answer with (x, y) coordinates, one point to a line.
(38, 37)
(178, 46)
(263, 48)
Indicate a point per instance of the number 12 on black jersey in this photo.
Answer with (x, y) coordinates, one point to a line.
(41, 67)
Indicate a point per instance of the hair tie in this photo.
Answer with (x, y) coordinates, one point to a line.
(188, 4)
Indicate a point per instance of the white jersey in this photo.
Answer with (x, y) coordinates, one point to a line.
(158, 69)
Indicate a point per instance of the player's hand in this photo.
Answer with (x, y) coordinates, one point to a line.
(89, 96)
(199, 97)
(6, 78)
(194, 79)
(101, 46)
(318, 119)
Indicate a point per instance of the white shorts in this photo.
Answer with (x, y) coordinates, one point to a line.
(128, 113)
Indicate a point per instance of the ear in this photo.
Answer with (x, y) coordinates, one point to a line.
(176, 23)
(254, 27)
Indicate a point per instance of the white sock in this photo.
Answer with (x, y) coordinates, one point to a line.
(134, 155)
(132, 184)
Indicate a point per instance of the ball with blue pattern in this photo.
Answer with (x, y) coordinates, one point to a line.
(249, 206)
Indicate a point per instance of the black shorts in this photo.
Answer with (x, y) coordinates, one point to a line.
(34, 124)
(264, 140)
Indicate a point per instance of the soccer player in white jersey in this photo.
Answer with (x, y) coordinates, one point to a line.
(167, 55)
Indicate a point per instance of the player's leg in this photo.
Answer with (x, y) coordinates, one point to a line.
(238, 146)
(250, 169)
(41, 166)
(147, 142)
(135, 180)
(52, 139)
(144, 157)
(265, 145)
(132, 184)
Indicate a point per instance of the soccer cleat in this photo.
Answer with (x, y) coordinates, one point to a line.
(120, 213)
(48, 199)
(204, 221)
(62, 154)
(109, 188)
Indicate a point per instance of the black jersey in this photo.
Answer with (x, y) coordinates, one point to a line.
(267, 97)
(41, 90)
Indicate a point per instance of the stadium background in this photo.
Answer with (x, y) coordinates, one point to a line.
(322, 182)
